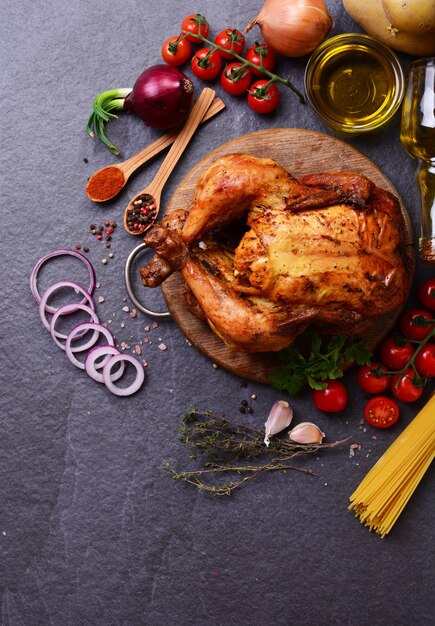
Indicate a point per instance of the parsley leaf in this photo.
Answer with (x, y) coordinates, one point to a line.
(316, 359)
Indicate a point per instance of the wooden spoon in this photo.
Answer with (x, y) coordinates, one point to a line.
(112, 179)
(142, 210)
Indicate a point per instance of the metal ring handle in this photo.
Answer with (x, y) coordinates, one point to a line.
(127, 277)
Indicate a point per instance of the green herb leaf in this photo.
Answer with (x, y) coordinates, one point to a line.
(325, 360)
(358, 353)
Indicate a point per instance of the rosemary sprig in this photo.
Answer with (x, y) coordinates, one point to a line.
(223, 446)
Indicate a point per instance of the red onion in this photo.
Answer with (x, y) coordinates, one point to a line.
(135, 385)
(91, 366)
(35, 271)
(64, 310)
(111, 354)
(43, 307)
(162, 97)
(86, 326)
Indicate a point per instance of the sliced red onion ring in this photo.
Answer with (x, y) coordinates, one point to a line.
(83, 327)
(43, 303)
(107, 376)
(35, 271)
(64, 310)
(91, 367)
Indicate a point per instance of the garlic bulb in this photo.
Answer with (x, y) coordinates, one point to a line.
(280, 417)
(293, 27)
(306, 432)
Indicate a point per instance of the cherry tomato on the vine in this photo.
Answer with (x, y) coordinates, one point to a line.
(369, 381)
(413, 325)
(333, 398)
(395, 354)
(206, 64)
(262, 97)
(195, 23)
(230, 39)
(235, 79)
(404, 388)
(258, 53)
(176, 51)
(426, 294)
(381, 412)
(425, 360)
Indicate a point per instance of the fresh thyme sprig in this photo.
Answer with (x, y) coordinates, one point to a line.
(222, 447)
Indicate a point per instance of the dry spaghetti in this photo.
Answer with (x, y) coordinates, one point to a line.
(384, 492)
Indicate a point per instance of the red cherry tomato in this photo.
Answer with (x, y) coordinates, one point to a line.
(425, 360)
(369, 381)
(426, 294)
(176, 51)
(195, 24)
(404, 388)
(333, 398)
(206, 64)
(261, 52)
(263, 98)
(411, 324)
(235, 80)
(381, 412)
(230, 39)
(394, 355)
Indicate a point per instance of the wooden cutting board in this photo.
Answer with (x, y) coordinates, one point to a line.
(300, 152)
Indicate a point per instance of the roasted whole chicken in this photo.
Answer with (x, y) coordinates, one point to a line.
(264, 255)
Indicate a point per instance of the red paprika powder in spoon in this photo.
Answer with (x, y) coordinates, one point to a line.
(105, 184)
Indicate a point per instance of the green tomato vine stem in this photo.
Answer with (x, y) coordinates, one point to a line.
(411, 362)
(274, 78)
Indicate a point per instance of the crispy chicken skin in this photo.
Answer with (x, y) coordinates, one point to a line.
(325, 250)
(234, 185)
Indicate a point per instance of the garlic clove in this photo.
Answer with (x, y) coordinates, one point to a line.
(306, 432)
(280, 417)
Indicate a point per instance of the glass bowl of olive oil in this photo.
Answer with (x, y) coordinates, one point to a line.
(354, 83)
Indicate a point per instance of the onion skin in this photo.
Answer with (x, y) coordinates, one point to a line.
(76, 331)
(108, 377)
(43, 307)
(35, 271)
(162, 97)
(408, 27)
(294, 28)
(94, 354)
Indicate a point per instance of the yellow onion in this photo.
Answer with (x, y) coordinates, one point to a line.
(293, 27)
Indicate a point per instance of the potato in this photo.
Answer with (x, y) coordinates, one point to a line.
(405, 25)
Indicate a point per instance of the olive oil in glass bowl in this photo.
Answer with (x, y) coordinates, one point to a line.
(354, 83)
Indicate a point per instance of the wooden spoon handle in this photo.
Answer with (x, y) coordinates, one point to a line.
(202, 104)
(130, 165)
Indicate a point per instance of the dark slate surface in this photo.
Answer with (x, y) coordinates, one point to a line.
(92, 530)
